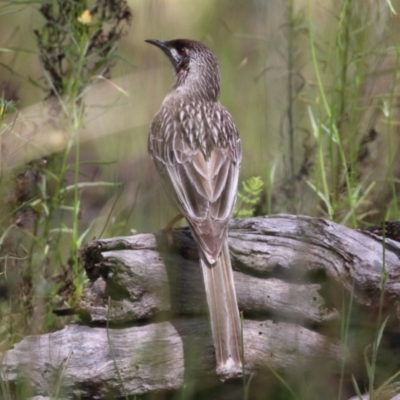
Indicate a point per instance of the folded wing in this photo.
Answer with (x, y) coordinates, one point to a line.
(199, 166)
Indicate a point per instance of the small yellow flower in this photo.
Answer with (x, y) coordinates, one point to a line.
(85, 18)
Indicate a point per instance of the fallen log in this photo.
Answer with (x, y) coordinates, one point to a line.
(280, 264)
(102, 363)
(147, 302)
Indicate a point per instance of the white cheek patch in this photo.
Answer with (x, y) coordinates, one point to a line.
(175, 55)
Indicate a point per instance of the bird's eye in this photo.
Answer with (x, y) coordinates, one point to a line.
(181, 51)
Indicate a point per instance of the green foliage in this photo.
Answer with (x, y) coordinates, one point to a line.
(249, 196)
(6, 108)
(77, 42)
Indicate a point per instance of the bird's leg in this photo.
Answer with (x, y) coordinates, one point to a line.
(168, 228)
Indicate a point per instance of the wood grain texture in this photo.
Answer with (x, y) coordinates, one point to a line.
(154, 356)
(281, 264)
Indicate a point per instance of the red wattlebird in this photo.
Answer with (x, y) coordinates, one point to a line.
(196, 149)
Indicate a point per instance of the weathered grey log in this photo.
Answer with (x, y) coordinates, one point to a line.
(141, 279)
(274, 259)
(282, 267)
(97, 362)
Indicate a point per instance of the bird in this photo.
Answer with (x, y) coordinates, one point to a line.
(196, 150)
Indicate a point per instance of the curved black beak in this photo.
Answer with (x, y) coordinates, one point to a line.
(158, 43)
(166, 48)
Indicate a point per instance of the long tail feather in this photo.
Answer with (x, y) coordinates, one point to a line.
(224, 313)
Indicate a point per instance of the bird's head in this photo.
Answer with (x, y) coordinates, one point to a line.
(196, 66)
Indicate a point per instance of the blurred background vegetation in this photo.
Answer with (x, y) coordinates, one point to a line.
(312, 86)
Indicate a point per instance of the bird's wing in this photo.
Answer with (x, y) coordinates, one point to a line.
(197, 153)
